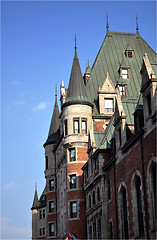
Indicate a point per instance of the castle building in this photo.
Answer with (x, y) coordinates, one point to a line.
(100, 154)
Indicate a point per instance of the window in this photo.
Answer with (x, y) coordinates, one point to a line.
(149, 104)
(76, 125)
(84, 126)
(122, 90)
(124, 214)
(94, 230)
(51, 185)
(73, 209)
(73, 181)
(51, 229)
(129, 54)
(72, 155)
(40, 214)
(139, 206)
(98, 194)
(40, 231)
(110, 230)
(44, 232)
(46, 162)
(93, 197)
(125, 73)
(65, 128)
(43, 213)
(89, 201)
(90, 232)
(108, 105)
(109, 190)
(99, 229)
(51, 206)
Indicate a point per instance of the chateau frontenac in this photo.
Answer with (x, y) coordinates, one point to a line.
(100, 153)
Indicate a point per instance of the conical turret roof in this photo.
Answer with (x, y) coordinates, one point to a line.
(35, 201)
(53, 134)
(55, 119)
(76, 89)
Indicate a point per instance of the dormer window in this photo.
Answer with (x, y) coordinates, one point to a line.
(108, 104)
(125, 74)
(129, 53)
(122, 90)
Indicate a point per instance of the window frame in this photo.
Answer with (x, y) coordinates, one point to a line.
(65, 127)
(84, 120)
(72, 159)
(72, 185)
(46, 162)
(76, 131)
(51, 233)
(51, 188)
(51, 209)
(109, 110)
(72, 213)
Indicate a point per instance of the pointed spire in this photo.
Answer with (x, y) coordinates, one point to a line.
(137, 28)
(75, 48)
(55, 117)
(35, 201)
(107, 27)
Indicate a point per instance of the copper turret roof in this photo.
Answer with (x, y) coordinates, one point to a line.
(76, 90)
(54, 126)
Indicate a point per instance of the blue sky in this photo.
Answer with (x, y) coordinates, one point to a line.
(37, 50)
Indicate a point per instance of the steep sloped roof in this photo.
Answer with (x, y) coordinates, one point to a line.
(35, 201)
(53, 134)
(76, 89)
(109, 59)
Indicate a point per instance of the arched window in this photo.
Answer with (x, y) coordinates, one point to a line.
(89, 201)
(137, 198)
(123, 213)
(152, 194)
(139, 205)
(93, 197)
(98, 194)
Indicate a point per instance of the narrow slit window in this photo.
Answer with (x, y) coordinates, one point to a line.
(76, 126)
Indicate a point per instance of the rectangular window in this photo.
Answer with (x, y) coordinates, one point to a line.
(73, 181)
(130, 54)
(125, 73)
(73, 209)
(40, 231)
(51, 206)
(65, 128)
(40, 214)
(72, 155)
(109, 190)
(51, 185)
(94, 231)
(46, 159)
(76, 125)
(84, 126)
(44, 231)
(51, 229)
(43, 213)
(122, 90)
(108, 105)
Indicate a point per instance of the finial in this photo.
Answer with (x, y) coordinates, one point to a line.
(107, 22)
(137, 28)
(75, 42)
(56, 91)
(35, 186)
(88, 62)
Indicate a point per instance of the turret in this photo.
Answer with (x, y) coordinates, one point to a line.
(87, 73)
(35, 216)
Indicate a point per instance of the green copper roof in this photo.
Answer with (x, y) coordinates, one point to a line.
(54, 126)
(76, 89)
(109, 59)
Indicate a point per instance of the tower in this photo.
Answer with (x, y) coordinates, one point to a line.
(76, 118)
